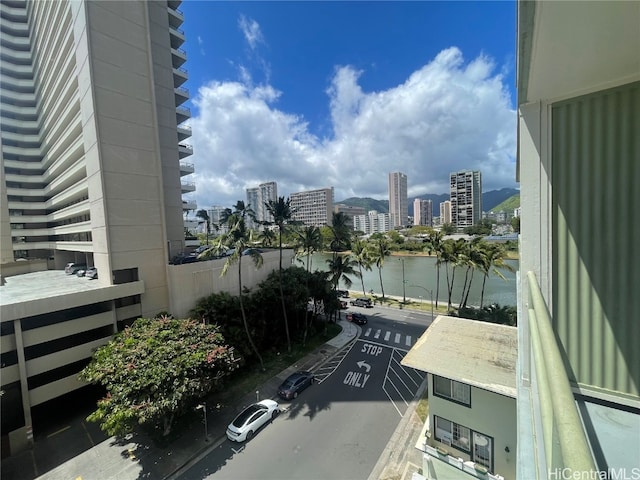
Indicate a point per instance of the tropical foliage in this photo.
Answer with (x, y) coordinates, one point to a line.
(154, 370)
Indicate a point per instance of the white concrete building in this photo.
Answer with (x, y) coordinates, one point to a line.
(398, 206)
(257, 197)
(422, 212)
(313, 207)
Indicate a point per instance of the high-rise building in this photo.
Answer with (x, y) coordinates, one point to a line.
(466, 198)
(349, 211)
(313, 207)
(257, 197)
(372, 222)
(398, 206)
(90, 173)
(445, 212)
(422, 212)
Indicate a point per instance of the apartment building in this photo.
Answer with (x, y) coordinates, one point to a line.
(466, 198)
(398, 206)
(349, 211)
(422, 212)
(445, 212)
(578, 378)
(471, 375)
(91, 173)
(372, 222)
(257, 197)
(313, 207)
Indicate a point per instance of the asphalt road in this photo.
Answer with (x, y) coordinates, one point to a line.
(338, 427)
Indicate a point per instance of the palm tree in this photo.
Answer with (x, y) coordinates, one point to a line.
(267, 237)
(494, 256)
(238, 238)
(341, 232)
(451, 257)
(362, 258)
(434, 246)
(282, 214)
(379, 250)
(204, 216)
(309, 242)
(472, 258)
(340, 268)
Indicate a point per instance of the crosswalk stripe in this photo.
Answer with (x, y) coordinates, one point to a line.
(386, 336)
(397, 340)
(408, 342)
(377, 335)
(368, 332)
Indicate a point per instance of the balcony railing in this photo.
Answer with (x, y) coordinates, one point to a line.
(565, 441)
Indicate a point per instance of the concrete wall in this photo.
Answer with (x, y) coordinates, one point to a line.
(193, 281)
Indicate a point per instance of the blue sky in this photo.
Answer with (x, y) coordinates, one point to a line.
(321, 94)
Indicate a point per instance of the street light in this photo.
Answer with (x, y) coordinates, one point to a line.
(430, 292)
(203, 407)
(404, 282)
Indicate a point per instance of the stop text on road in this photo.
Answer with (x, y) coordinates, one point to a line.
(374, 350)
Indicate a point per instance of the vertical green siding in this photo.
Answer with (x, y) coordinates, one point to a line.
(596, 239)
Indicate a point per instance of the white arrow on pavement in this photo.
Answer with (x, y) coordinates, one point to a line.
(364, 364)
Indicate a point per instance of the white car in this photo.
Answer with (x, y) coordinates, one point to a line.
(249, 421)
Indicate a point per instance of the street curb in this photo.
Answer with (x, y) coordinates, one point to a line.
(204, 451)
(384, 461)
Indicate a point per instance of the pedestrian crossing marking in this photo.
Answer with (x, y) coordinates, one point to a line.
(386, 336)
(377, 335)
(397, 337)
(408, 342)
(368, 332)
(397, 340)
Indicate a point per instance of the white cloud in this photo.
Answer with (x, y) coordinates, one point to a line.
(251, 31)
(447, 116)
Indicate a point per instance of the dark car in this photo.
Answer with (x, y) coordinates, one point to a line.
(362, 302)
(294, 384)
(342, 293)
(357, 318)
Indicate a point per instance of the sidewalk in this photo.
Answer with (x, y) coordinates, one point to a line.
(137, 457)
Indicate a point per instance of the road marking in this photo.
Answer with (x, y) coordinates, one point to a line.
(368, 332)
(364, 364)
(59, 431)
(386, 336)
(397, 340)
(353, 379)
(377, 335)
(408, 342)
(383, 345)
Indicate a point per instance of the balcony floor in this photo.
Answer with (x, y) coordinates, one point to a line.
(614, 435)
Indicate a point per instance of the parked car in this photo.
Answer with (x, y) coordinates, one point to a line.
(91, 273)
(343, 304)
(200, 250)
(357, 318)
(294, 384)
(249, 251)
(251, 419)
(72, 268)
(80, 273)
(342, 293)
(362, 302)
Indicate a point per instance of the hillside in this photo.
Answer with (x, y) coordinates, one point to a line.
(509, 204)
(490, 200)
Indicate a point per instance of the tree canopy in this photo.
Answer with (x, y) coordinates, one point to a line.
(154, 370)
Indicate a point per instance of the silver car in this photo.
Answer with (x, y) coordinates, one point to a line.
(251, 419)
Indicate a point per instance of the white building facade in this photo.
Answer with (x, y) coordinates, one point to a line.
(422, 212)
(313, 207)
(398, 206)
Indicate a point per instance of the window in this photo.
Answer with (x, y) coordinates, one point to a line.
(453, 434)
(452, 390)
